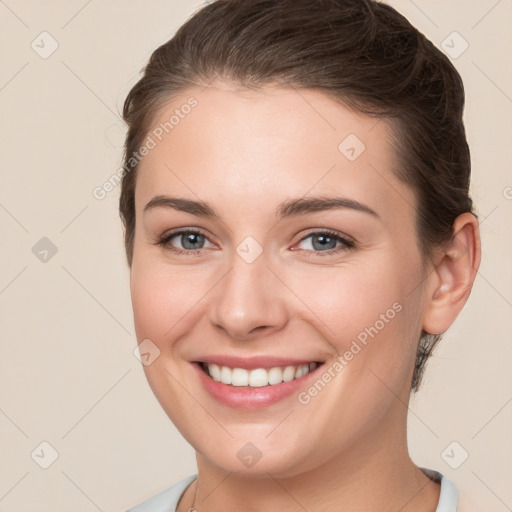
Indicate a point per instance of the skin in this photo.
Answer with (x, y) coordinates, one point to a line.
(245, 152)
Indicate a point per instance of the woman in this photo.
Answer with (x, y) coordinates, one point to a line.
(299, 234)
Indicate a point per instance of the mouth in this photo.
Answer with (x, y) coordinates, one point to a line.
(254, 382)
(257, 377)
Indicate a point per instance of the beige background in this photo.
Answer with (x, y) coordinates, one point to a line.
(68, 375)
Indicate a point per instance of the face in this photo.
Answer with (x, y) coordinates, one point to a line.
(281, 247)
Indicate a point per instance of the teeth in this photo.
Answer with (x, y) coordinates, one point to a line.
(239, 377)
(225, 375)
(302, 370)
(258, 377)
(214, 372)
(289, 373)
(275, 376)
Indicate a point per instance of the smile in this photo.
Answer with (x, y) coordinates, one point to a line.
(257, 377)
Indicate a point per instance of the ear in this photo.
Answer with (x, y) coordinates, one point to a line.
(449, 284)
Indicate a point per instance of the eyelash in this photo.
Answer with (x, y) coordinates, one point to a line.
(347, 244)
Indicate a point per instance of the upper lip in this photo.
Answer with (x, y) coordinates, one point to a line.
(251, 363)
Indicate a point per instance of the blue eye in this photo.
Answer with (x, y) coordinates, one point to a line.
(192, 242)
(326, 243)
(323, 243)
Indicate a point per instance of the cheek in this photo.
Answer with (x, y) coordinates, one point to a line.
(347, 299)
(368, 318)
(167, 300)
(164, 304)
(161, 301)
(366, 313)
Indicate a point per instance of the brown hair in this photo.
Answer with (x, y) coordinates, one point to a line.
(361, 53)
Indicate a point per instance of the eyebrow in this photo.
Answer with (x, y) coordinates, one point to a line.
(288, 208)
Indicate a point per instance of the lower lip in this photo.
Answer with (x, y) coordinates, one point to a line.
(246, 397)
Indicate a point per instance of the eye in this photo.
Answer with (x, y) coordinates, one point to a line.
(320, 243)
(185, 241)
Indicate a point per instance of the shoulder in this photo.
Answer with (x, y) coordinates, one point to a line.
(449, 495)
(166, 500)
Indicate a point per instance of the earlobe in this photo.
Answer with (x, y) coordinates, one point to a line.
(449, 285)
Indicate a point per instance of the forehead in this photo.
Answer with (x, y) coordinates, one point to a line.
(256, 148)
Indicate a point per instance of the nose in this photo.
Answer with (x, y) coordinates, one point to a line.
(249, 301)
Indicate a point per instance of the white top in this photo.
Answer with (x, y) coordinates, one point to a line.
(167, 500)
